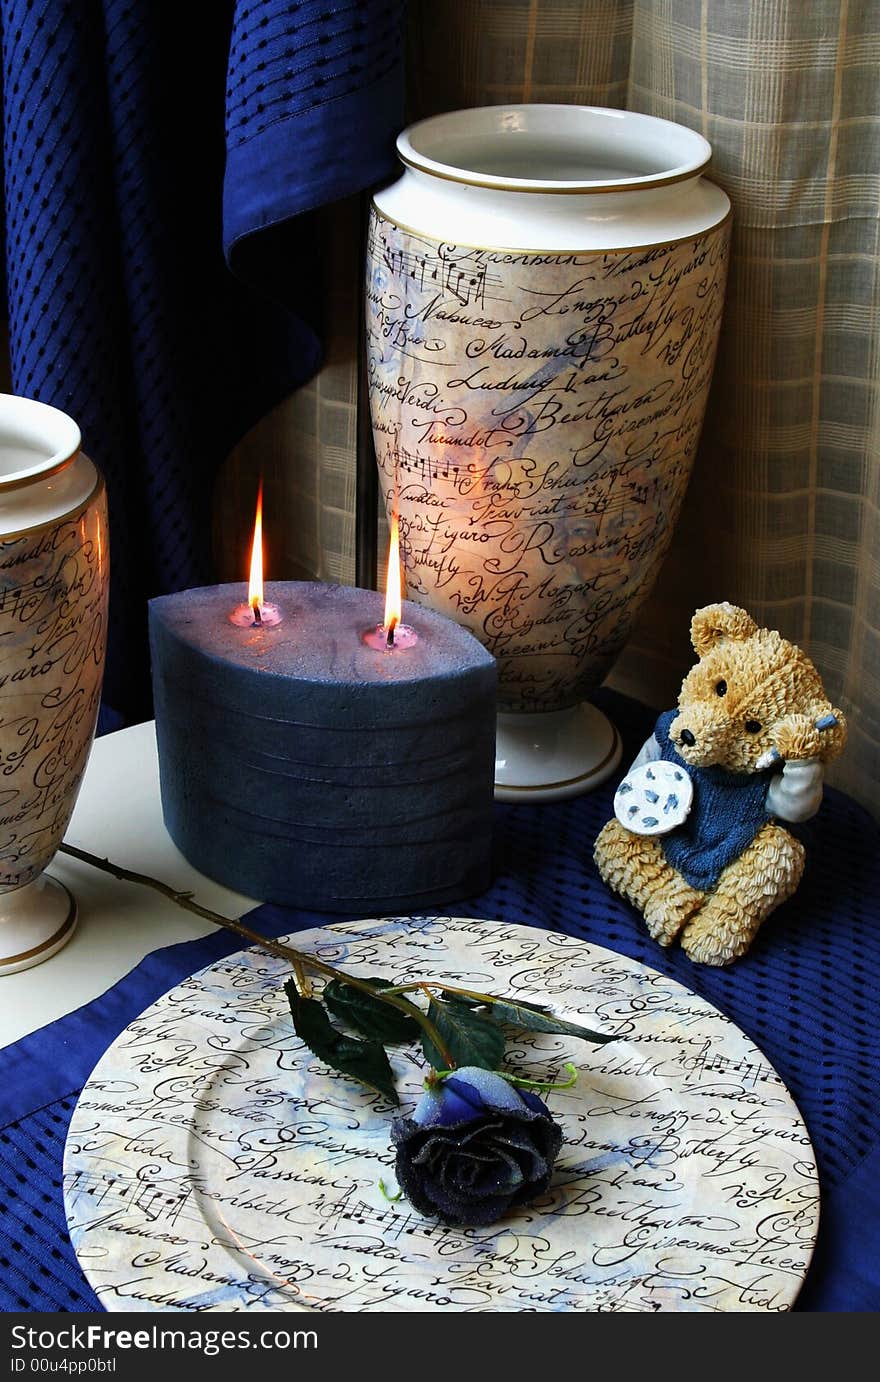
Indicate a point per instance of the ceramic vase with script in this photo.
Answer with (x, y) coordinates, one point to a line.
(544, 292)
(53, 623)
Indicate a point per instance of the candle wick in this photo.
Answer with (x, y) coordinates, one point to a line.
(258, 616)
(389, 636)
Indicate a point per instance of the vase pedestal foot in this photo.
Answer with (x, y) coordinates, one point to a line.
(35, 922)
(554, 754)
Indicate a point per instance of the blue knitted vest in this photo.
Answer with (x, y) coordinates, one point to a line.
(728, 811)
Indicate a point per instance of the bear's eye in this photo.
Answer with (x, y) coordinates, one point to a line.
(721, 688)
(753, 726)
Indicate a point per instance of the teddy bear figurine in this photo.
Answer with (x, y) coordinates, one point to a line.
(696, 843)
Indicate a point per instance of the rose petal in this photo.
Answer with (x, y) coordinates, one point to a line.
(470, 1172)
(446, 1104)
(490, 1088)
(495, 1175)
(463, 1211)
(469, 1093)
(534, 1103)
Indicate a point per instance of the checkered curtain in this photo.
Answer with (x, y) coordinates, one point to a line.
(783, 513)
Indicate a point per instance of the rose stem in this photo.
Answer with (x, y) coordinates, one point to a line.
(283, 952)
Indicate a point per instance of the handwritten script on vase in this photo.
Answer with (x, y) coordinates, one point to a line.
(214, 1164)
(53, 610)
(536, 418)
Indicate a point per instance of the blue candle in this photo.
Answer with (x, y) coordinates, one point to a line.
(308, 762)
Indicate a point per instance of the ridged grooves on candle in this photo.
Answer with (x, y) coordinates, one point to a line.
(312, 774)
(341, 782)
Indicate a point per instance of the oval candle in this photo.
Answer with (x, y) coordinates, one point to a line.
(302, 765)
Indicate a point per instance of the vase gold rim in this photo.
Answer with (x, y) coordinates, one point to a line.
(53, 941)
(557, 189)
(22, 481)
(68, 517)
(543, 249)
(56, 434)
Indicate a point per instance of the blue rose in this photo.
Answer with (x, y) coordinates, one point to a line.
(474, 1148)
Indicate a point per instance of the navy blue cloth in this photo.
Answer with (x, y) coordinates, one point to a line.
(727, 812)
(141, 139)
(807, 993)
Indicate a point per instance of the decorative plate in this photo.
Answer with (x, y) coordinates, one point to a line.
(654, 798)
(213, 1163)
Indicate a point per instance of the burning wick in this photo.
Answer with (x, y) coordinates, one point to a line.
(256, 614)
(391, 634)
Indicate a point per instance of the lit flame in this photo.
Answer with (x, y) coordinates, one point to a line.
(255, 582)
(393, 585)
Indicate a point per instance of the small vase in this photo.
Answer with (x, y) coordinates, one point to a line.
(54, 575)
(544, 294)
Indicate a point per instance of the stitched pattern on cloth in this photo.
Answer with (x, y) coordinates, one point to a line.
(293, 56)
(37, 1268)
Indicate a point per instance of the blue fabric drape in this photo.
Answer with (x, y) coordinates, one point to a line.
(124, 310)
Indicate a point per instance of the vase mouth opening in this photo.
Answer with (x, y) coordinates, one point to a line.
(36, 441)
(554, 149)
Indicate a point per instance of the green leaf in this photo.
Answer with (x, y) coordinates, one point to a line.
(370, 1016)
(363, 1060)
(533, 1018)
(472, 1038)
(462, 998)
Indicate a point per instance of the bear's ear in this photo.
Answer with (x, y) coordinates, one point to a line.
(714, 623)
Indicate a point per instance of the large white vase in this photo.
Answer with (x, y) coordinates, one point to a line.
(54, 575)
(544, 292)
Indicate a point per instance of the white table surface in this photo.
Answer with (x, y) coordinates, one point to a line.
(118, 816)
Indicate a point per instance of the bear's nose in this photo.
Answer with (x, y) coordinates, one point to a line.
(687, 738)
